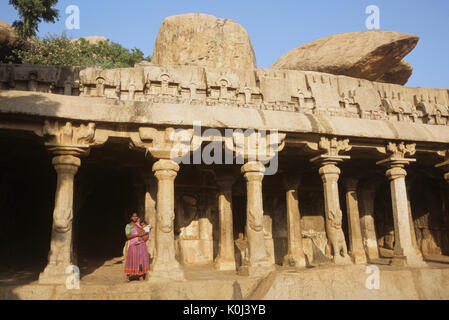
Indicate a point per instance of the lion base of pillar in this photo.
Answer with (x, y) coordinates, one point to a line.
(55, 274)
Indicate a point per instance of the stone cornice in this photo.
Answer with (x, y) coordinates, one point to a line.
(35, 105)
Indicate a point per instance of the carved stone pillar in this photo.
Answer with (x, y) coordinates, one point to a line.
(258, 262)
(165, 265)
(404, 250)
(150, 211)
(61, 247)
(295, 254)
(330, 173)
(367, 197)
(226, 256)
(355, 233)
(68, 143)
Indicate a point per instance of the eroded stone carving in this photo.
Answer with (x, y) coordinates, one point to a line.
(264, 89)
(400, 150)
(55, 133)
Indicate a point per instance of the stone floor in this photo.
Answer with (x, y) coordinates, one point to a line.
(106, 280)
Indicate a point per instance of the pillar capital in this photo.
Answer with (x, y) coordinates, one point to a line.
(396, 173)
(253, 171)
(329, 172)
(67, 164)
(165, 169)
(69, 139)
(397, 153)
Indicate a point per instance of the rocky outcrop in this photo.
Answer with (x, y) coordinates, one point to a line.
(398, 74)
(8, 36)
(203, 40)
(367, 55)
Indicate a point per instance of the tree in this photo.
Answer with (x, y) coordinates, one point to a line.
(31, 13)
(59, 50)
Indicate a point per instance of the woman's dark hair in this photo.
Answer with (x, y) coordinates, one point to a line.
(133, 213)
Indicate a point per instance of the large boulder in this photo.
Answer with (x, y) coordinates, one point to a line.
(366, 54)
(398, 74)
(8, 36)
(203, 40)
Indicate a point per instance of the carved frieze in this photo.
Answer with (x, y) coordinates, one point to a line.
(264, 89)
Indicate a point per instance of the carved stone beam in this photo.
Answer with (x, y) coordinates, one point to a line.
(166, 143)
(253, 145)
(68, 139)
(330, 149)
(397, 153)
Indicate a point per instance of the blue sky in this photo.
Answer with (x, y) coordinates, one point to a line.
(274, 27)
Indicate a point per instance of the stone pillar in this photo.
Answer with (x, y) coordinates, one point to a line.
(257, 262)
(404, 251)
(226, 256)
(355, 233)
(367, 196)
(205, 232)
(61, 247)
(330, 173)
(295, 254)
(165, 264)
(150, 211)
(412, 222)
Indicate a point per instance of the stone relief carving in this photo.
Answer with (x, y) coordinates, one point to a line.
(279, 90)
(54, 133)
(400, 150)
(335, 218)
(334, 146)
(63, 219)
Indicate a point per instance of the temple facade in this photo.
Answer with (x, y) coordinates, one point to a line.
(240, 169)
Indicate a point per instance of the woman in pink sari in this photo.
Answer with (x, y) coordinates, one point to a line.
(137, 259)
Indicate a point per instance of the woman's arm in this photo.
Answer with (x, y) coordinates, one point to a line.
(129, 229)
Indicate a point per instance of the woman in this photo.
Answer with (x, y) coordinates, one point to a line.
(137, 260)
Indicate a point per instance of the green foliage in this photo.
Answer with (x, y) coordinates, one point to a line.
(31, 13)
(59, 50)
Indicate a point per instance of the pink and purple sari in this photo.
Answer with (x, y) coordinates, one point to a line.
(137, 259)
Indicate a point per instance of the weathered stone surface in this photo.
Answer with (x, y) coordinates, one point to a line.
(366, 55)
(398, 74)
(203, 40)
(8, 36)
(92, 39)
